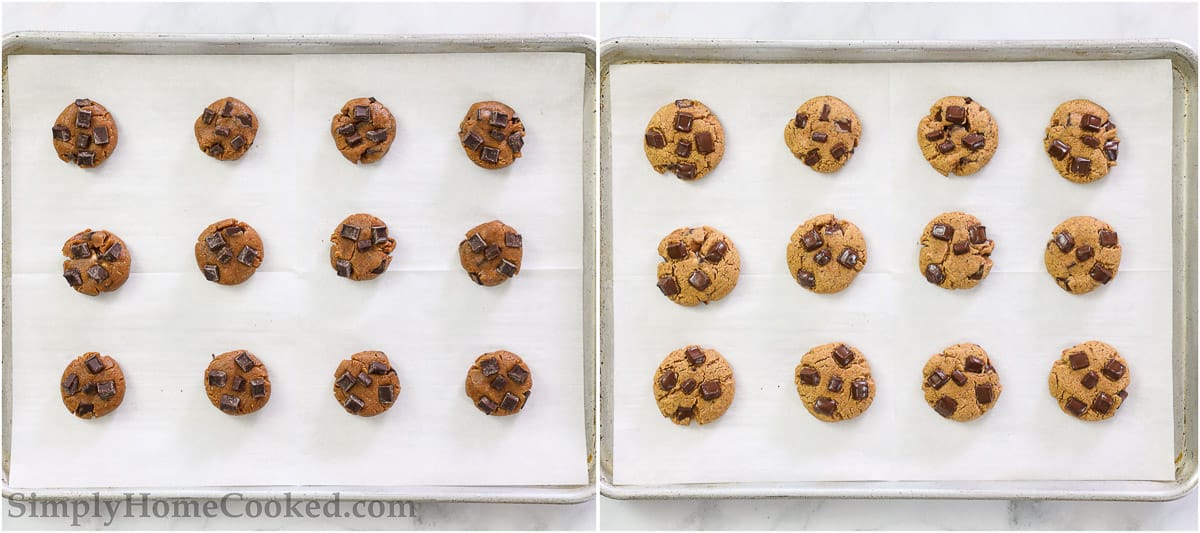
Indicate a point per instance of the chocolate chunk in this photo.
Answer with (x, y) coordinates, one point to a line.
(655, 139)
(354, 140)
(668, 286)
(244, 361)
(1058, 150)
(354, 404)
(247, 256)
(486, 405)
(361, 113)
(346, 381)
(1078, 360)
(377, 136)
(211, 273)
(838, 150)
(819, 137)
(942, 232)
(85, 159)
(1102, 404)
(490, 155)
(937, 379)
(383, 265)
(973, 364)
(1090, 141)
(224, 255)
(710, 390)
(668, 380)
(510, 401)
(684, 413)
(946, 406)
(961, 247)
(61, 133)
(516, 141)
(364, 245)
(984, 394)
(100, 135)
(238, 384)
(824, 113)
(81, 251)
(826, 406)
(476, 242)
(473, 141)
(379, 234)
(956, 115)
(498, 119)
(934, 274)
(1076, 406)
(237, 142)
(822, 257)
(215, 241)
(1101, 274)
(810, 376)
(1081, 165)
(387, 394)
(73, 277)
(94, 364)
(860, 389)
(683, 122)
(227, 111)
(482, 114)
(508, 268)
(377, 368)
(1090, 379)
(699, 280)
(97, 272)
(946, 147)
(835, 384)
(688, 386)
(258, 388)
(216, 150)
(958, 377)
(209, 115)
(801, 120)
(83, 141)
(1110, 150)
(806, 279)
(1113, 370)
(1083, 253)
(812, 157)
(83, 119)
(695, 355)
(716, 253)
(499, 382)
(489, 366)
(71, 384)
(84, 408)
(491, 252)
(90, 388)
(848, 258)
(683, 148)
(349, 232)
(230, 403)
(245, 119)
(496, 135)
(974, 141)
(82, 102)
(343, 267)
(1090, 122)
(1108, 238)
(934, 135)
(1064, 241)
(685, 171)
(1123, 395)
(977, 234)
(704, 142)
(843, 355)
(221, 131)
(812, 240)
(843, 124)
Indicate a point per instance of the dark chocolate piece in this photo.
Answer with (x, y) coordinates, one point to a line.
(843, 355)
(695, 355)
(810, 376)
(826, 406)
(211, 273)
(835, 384)
(230, 403)
(97, 272)
(486, 405)
(247, 256)
(860, 389)
(946, 406)
(655, 139)
(668, 286)
(1058, 150)
(244, 361)
(943, 232)
(699, 280)
(489, 366)
(848, 258)
(343, 267)
(507, 268)
(984, 394)
(710, 390)
(683, 122)
(1081, 165)
(510, 401)
(668, 380)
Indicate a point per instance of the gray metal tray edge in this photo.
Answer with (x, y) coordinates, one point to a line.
(143, 43)
(1184, 304)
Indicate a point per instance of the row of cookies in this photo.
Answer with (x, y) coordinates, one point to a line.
(826, 253)
(958, 136)
(491, 134)
(230, 251)
(237, 382)
(1088, 381)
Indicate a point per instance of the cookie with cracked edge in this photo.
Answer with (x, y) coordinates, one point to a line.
(685, 138)
(237, 383)
(834, 382)
(492, 134)
(1081, 141)
(960, 383)
(700, 265)
(1089, 381)
(366, 384)
(92, 385)
(823, 134)
(955, 251)
(693, 383)
(228, 252)
(1082, 254)
(225, 130)
(85, 134)
(958, 136)
(360, 248)
(491, 253)
(363, 130)
(97, 261)
(826, 253)
(499, 383)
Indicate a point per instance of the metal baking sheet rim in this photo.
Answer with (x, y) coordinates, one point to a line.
(144, 43)
(1184, 304)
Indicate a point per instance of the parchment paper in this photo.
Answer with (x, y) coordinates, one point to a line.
(158, 191)
(760, 193)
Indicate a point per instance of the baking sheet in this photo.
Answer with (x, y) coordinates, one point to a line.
(760, 193)
(158, 191)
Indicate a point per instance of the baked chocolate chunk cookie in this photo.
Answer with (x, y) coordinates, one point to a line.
(958, 136)
(228, 252)
(237, 383)
(834, 382)
(960, 383)
(226, 129)
(700, 265)
(491, 253)
(823, 134)
(499, 383)
(361, 249)
(97, 261)
(685, 138)
(1083, 253)
(492, 134)
(693, 383)
(1089, 381)
(1081, 141)
(363, 131)
(92, 385)
(85, 134)
(366, 384)
(826, 253)
(956, 252)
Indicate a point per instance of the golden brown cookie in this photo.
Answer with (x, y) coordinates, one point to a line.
(499, 383)
(97, 261)
(491, 253)
(492, 134)
(364, 130)
(958, 136)
(92, 385)
(226, 129)
(834, 382)
(826, 253)
(686, 138)
(1089, 381)
(237, 383)
(955, 251)
(1081, 141)
(360, 248)
(366, 384)
(700, 265)
(85, 134)
(960, 383)
(1083, 253)
(228, 251)
(823, 134)
(693, 383)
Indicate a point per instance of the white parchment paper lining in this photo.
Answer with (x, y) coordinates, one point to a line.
(158, 191)
(760, 193)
